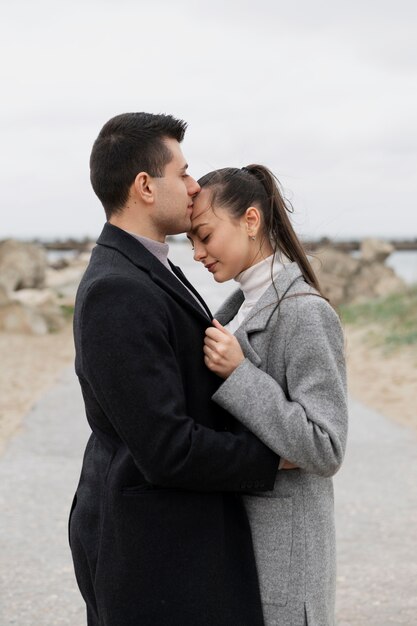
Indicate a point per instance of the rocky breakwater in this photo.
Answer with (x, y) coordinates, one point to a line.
(35, 296)
(345, 278)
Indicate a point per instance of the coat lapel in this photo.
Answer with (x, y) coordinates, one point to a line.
(116, 238)
(261, 313)
(230, 307)
(182, 277)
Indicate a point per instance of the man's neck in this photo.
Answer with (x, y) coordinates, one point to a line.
(141, 230)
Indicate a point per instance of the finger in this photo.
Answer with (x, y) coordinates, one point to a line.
(219, 327)
(207, 362)
(208, 352)
(210, 343)
(214, 333)
(288, 465)
(218, 347)
(210, 364)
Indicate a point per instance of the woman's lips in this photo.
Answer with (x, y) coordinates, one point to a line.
(210, 266)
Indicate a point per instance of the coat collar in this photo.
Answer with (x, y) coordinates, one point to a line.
(118, 239)
(287, 281)
(261, 312)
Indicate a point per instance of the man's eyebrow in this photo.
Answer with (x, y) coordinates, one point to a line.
(184, 167)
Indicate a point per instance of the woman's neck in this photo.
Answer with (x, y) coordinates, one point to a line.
(258, 277)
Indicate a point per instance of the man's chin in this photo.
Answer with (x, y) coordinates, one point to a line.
(186, 227)
(180, 229)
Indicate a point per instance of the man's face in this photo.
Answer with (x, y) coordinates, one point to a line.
(174, 194)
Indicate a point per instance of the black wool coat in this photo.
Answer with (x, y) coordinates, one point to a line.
(158, 532)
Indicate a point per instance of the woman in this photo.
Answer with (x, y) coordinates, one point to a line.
(284, 379)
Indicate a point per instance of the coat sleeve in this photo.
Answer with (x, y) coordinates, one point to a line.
(306, 423)
(130, 364)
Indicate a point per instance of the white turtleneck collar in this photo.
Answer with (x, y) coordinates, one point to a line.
(254, 282)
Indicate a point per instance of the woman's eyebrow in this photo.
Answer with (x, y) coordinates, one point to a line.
(195, 230)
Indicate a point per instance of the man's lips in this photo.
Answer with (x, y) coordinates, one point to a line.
(210, 266)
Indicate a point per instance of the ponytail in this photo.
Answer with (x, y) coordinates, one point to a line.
(278, 224)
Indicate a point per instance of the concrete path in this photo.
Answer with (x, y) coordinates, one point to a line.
(38, 475)
(376, 500)
(376, 517)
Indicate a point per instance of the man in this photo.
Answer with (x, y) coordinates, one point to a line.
(158, 535)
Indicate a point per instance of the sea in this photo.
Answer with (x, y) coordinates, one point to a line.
(403, 262)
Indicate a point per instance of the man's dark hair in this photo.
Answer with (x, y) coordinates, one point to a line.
(128, 144)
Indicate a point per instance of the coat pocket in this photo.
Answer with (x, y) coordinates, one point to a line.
(272, 534)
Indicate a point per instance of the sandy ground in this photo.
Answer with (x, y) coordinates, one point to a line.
(31, 364)
(384, 381)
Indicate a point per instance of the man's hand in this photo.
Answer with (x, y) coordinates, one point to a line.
(222, 352)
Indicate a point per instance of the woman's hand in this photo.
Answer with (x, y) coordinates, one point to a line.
(222, 352)
(286, 465)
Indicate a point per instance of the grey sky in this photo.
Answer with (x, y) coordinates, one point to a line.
(324, 93)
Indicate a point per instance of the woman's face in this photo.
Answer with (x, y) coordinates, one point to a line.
(221, 242)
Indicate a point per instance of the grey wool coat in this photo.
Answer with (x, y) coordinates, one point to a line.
(291, 392)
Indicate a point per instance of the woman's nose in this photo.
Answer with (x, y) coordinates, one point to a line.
(199, 252)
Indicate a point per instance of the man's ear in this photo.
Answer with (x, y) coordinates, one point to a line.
(144, 187)
(252, 221)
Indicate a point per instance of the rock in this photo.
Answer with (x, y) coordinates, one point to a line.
(35, 297)
(15, 317)
(374, 250)
(31, 311)
(4, 298)
(26, 306)
(65, 282)
(335, 262)
(372, 281)
(345, 279)
(82, 259)
(43, 302)
(22, 265)
(334, 270)
(69, 276)
(24, 316)
(54, 317)
(60, 264)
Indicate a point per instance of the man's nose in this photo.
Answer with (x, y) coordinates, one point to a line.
(193, 186)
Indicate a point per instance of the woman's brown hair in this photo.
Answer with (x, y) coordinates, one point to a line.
(255, 185)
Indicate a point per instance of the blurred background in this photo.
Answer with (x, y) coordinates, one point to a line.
(323, 93)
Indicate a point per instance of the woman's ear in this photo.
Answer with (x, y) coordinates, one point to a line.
(252, 221)
(144, 187)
